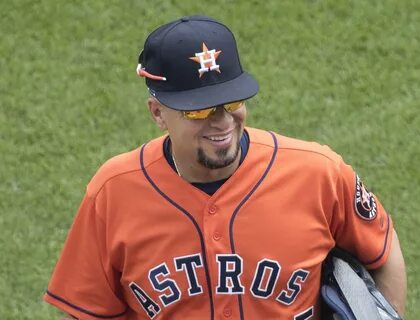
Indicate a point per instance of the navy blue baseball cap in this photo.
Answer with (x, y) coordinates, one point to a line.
(193, 63)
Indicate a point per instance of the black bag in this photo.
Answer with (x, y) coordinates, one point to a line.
(350, 293)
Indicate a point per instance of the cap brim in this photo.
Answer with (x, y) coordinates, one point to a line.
(240, 88)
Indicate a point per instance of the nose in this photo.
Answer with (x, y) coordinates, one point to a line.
(220, 119)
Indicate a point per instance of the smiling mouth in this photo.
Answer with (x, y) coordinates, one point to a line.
(219, 138)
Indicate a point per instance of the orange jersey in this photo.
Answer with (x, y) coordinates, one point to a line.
(146, 244)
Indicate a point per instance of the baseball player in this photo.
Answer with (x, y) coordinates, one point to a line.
(215, 220)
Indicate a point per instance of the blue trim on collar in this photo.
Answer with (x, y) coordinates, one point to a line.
(208, 187)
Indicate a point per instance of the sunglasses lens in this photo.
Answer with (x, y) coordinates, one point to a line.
(230, 107)
(205, 113)
(198, 114)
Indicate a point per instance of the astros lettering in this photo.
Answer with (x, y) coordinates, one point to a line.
(229, 275)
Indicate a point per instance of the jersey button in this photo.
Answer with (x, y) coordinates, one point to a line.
(213, 209)
(217, 236)
(227, 312)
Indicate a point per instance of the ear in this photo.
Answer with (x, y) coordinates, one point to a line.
(155, 109)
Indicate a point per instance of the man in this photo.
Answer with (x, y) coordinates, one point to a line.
(215, 220)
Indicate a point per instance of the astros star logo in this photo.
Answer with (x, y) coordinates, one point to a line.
(364, 201)
(365, 198)
(207, 60)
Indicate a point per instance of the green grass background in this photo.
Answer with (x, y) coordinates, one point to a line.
(344, 73)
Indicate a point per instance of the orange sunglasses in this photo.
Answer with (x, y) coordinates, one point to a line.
(205, 113)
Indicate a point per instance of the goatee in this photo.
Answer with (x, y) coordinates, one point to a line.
(222, 160)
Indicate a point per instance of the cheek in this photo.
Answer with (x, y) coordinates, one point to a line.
(184, 132)
(240, 116)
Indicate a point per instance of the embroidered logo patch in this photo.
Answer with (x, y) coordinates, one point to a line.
(364, 201)
(207, 60)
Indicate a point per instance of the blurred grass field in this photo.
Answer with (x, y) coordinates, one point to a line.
(344, 73)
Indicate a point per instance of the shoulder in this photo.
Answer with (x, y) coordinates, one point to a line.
(299, 147)
(116, 166)
(308, 149)
(298, 154)
(124, 165)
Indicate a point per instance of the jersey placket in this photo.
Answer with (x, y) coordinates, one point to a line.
(217, 241)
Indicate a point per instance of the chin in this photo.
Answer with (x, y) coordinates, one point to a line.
(221, 158)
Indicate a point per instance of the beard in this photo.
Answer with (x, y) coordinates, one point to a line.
(223, 158)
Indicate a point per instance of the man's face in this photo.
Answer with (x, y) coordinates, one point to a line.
(212, 142)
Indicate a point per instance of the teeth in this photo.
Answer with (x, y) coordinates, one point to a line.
(220, 138)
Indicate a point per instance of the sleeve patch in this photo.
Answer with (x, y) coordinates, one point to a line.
(364, 201)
